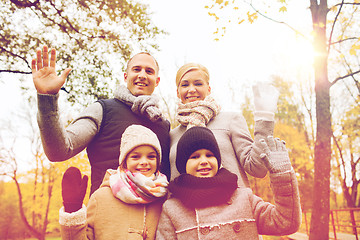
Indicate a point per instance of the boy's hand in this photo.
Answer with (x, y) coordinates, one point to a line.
(275, 156)
(45, 79)
(73, 189)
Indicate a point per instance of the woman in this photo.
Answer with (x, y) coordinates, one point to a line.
(197, 108)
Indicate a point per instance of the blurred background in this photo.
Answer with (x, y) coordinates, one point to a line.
(309, 50)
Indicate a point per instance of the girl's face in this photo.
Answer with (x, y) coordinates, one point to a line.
(142, 159)
(202, 163)
(193, 86)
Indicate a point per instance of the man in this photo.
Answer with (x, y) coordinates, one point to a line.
(100, 126)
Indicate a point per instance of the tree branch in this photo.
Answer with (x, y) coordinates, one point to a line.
(33, 231)
(348, 75)
(15, 55)
(346, 3)
(277, 21)
(25, 4)
(333, 26)
(343, 40)
(68, 22)
(14, 71)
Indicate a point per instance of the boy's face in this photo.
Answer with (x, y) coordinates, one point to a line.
(142, 159)
(202, 163)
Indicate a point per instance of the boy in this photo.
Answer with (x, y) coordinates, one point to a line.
(206, 202)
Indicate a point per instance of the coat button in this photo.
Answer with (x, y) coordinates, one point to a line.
(205, 231)
(237, 227)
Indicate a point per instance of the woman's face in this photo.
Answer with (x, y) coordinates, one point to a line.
(193, 87)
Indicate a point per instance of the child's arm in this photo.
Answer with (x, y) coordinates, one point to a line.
(284, 217)
(165, 229)
(72, 217)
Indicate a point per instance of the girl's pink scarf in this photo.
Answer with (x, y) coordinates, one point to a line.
(135, 188)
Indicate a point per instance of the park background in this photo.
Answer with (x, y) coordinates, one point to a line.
(240, 42)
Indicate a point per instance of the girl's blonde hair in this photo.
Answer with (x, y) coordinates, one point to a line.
(190, 67)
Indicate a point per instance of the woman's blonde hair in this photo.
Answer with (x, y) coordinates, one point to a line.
(190, 67)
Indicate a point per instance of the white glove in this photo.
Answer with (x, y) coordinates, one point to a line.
(275, 156)
(265, 97)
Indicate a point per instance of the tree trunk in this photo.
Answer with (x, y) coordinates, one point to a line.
(319, 228)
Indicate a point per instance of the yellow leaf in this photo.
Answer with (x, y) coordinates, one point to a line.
(283, 9)
(241, 21)
(282, 1)
(354, 49)
(252, 17)
(219, 1)
(226, 3)
(352, 52)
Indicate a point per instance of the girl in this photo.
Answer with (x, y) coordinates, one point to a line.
(206, 202)
(128, 203)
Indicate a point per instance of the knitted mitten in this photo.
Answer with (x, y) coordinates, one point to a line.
(276, 157)
(73, 189)
(265, 97)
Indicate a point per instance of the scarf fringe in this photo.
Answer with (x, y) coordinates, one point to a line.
(147, 105)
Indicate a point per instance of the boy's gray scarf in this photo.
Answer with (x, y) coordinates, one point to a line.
(147, 105)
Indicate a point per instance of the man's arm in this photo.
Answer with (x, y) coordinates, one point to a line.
(62, 143)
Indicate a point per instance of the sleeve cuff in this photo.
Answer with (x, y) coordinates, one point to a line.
(262, 115)
(47, 102)
(72, 219)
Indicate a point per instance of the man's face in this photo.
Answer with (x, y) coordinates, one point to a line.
(141, 76)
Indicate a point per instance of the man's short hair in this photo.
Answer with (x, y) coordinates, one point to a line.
(128, 63)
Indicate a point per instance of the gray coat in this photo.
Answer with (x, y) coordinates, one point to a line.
(239, 152)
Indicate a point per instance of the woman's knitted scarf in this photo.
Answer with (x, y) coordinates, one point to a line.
(197, 113)
(147, 105)
(135, 188)
(196, 192)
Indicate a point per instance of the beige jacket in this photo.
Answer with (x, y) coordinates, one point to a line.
(109, 218)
